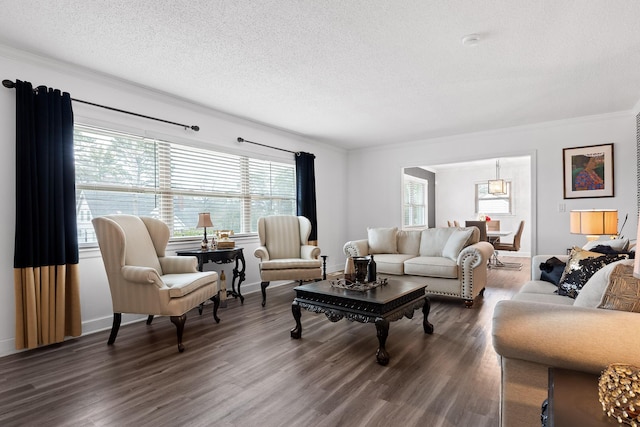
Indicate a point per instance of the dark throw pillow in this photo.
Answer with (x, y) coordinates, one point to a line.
(579, 269)
(551, 270)
(605, 249)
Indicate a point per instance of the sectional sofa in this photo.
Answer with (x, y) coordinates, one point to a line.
(450, 259)
(539, 328)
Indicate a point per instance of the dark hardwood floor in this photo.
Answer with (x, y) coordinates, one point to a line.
(247, 371)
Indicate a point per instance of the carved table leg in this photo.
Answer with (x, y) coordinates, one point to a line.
(382, 328)
(296, 332)
(428, 327)
(216, 304)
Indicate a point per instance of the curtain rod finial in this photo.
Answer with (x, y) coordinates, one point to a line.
(195, 128)
(8, 84)
(240, 139)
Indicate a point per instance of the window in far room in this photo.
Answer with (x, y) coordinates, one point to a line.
(493, 204)
(414, 206)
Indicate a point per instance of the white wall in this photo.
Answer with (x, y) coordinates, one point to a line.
(217, 130)
(377, 173)
(459, 179)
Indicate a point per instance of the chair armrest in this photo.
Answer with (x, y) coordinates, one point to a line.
(262, 253)
(578, 338)
(178, 264)
(309, 252)
(356, 248)
(141, 274)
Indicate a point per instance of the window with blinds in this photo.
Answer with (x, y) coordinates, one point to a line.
(124, 173)
(491, 203)
(415, 201)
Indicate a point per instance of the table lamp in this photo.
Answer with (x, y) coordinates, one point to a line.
(204, 220)
(594, 222)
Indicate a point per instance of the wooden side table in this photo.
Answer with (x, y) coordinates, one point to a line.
(222, 256)
(573, 400)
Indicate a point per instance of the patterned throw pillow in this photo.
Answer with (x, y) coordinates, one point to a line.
(579, 269)
(623, 291)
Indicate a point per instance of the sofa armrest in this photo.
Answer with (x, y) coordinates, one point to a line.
(472, 262)
(178, 264)
(142, 275)
(536, 260)
(356, 248)
(262, 253)
(309, 252)
(578, 338)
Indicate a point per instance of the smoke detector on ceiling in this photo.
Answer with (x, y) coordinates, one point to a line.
(471, 40)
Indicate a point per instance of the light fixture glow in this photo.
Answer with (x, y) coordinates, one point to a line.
(497, 186)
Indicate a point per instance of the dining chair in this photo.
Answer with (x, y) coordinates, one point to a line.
(482, 226)
(512, 247)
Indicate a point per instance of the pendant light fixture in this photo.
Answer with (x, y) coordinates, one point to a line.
(497, 186)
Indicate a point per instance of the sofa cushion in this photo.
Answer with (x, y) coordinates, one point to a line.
(432, 267)
(457, 240)
(581, 265)
(391, 263)
(433, 240)
(623, 291)
(382, 240)
(409, 242)
(593, 291)
(539, 287)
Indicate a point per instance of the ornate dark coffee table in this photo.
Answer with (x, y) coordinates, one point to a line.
(393, 301)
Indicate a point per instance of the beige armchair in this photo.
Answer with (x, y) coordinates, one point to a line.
(145, 281)
(284, 253)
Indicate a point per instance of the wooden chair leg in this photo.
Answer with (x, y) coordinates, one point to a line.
(149, 319)
(263, 288)
(179, 322)
(117, 318)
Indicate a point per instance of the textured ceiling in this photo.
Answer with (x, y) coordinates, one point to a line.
(354, 73)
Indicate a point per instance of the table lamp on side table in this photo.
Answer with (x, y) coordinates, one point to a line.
(204, 220)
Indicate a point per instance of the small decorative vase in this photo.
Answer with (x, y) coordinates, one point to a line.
(349, 270)
(361, 264)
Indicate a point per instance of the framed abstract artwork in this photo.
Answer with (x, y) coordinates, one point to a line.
(588, 171)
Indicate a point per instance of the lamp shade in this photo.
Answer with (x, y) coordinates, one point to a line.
(594, 222)
(204, 220)
(497, 186)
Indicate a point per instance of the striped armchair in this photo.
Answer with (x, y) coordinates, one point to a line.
(284, 253)
(145, 281)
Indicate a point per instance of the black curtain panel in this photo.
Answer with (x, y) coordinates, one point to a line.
(46, 229)
(46, 269)
(306, 191)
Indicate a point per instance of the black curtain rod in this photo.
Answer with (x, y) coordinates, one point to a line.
(297, 153)
(10, 85)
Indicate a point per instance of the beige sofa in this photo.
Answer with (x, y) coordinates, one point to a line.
(452, 258)
(538, 329)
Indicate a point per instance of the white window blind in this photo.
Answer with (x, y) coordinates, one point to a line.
(124, 173)
(415, 197)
